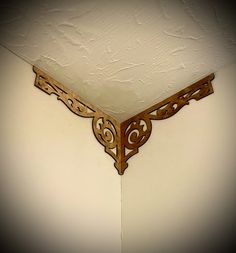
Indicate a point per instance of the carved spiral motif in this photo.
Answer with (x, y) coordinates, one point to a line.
(137, 133)
(105, 132)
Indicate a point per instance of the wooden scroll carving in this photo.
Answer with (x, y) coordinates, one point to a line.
(122, 140)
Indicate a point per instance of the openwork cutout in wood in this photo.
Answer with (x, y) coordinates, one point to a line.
(122, 140)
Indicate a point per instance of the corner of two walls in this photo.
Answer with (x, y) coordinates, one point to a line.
(60, 188)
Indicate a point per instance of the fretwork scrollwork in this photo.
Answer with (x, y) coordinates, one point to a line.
(75, 104)
(105, 128)
(135, 133)
(172, 105)
(106, 132)
(123, 140)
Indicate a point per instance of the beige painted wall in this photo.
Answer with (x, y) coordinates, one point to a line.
(177, 190)
(57, 182)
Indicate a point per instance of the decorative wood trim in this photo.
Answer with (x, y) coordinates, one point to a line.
(122, 140)
(105, 128)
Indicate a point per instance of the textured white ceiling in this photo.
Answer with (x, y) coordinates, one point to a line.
(122, 56)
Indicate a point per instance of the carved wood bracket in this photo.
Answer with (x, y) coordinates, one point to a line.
(122, 140)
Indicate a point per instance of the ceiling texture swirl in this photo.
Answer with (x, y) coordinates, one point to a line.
(122, 56)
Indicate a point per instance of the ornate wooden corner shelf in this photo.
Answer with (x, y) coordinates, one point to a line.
(122, 140)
